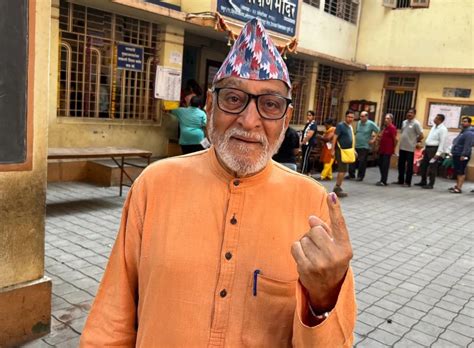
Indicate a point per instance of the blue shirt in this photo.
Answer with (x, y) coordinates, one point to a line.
(364, 132)
(344, 135)
(192, 120)
(462, 144)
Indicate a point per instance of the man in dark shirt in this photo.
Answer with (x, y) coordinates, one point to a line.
(286, 155)
(344, 137)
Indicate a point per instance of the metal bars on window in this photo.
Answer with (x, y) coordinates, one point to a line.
(347, 10)
(314, 3)
(90, 83)
(406, 3)
(403, 3)
(300, 71)
(329, 91)
(399, 95)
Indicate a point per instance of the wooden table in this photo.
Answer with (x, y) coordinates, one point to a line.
(103, 152)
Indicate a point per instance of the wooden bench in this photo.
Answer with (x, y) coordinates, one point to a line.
(117, 154)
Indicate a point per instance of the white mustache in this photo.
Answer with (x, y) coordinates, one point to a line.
(247, 135)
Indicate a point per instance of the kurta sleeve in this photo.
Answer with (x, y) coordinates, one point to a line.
(113, 317)
(336, 330)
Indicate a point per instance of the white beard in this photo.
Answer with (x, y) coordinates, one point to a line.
(238, 158)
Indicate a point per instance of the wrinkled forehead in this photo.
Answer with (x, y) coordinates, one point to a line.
(255, 86)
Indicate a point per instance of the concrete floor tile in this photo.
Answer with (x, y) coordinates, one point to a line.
(384, 337)
(457, 338)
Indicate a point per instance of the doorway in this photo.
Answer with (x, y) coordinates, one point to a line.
(399, 96)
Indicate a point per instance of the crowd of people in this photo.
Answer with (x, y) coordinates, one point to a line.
(349, 147)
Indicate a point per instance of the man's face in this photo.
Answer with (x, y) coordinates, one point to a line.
(245, 143)
(388, 120)
(410, 115)
(363, 117)
(349, 118)
(465, 124)
(437, 120)
(309, 117)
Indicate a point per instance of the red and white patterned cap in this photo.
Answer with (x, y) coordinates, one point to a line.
(254, 56)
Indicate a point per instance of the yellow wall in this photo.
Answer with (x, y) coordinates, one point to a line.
(438, 36)
(364, 85)
(431, 86)
(193, 6)
(322, 32)
(369, 86)
(146, 135)
(22, 194)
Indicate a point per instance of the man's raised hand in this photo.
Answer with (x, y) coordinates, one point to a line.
(322, 256)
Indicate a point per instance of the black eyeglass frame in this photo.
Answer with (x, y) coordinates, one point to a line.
(252, 96)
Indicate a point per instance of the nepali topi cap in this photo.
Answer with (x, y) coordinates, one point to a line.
(254, 56)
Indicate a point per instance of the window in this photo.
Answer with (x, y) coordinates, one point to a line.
(406, 3)
(299, 71)
(90, 84)
(348, 10)
(330, 86)
(315, 3)
(420, 3)
(399, 95)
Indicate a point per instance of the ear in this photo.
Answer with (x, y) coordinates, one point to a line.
(289, 115)
(209, 101)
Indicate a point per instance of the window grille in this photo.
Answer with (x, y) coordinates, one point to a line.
(90, 84)
(420, 3)
(314, 3)
(399, 95)
(401, 81)
(329, 91)
(403, 3)
(345, 9)
(406, 3)
(299, 71)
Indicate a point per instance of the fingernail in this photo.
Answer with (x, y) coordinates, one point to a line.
(333, 197)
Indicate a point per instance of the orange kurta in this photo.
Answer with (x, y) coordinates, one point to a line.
(181, 273)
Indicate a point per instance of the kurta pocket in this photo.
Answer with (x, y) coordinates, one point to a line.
(268, 313)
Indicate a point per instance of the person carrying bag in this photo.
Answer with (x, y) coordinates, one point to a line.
(344, 151)
(348, 155)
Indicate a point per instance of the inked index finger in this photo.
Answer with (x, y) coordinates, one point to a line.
(338, 224)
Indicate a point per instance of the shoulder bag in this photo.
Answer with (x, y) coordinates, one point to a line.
(348, 155)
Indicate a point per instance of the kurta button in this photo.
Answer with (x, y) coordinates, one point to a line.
(223, 293)
(236, 182)
(233, 221)
(228, 255)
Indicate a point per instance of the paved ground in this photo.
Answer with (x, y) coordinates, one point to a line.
(413, 260)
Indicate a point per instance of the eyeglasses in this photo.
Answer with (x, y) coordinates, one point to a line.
(234, 101)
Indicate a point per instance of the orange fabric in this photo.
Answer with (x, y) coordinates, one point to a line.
(167, 270)
(326, 155)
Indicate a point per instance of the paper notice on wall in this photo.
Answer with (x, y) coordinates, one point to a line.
(167, 83)
(452, 114)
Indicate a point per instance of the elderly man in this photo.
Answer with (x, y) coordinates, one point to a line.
(224, 247)
(411, 134)
(365, 135)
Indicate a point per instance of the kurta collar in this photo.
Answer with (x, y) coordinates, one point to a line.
(225, 176)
